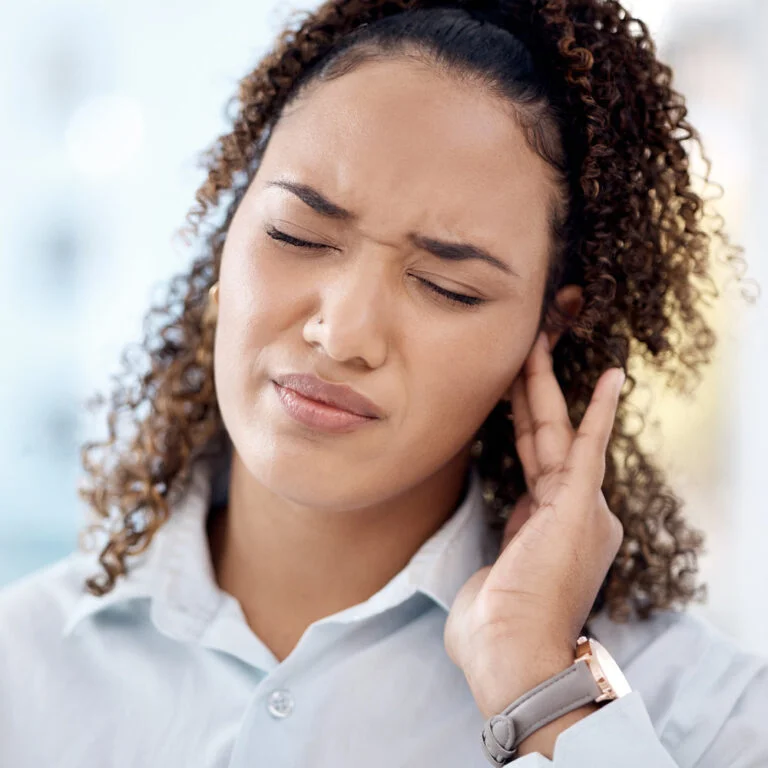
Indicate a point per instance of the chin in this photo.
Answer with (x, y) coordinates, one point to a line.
(306, 478)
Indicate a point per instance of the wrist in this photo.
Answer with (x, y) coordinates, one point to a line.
(525, 719)
(494, 698)
(543, 740)
(495, 695)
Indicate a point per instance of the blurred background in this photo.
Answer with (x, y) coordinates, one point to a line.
(105, 108)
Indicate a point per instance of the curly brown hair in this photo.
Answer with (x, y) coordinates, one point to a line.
(631, 231)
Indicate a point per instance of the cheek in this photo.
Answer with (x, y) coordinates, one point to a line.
(258, 298)
(459, 378)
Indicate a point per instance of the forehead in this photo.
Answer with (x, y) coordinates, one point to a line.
(404, 145)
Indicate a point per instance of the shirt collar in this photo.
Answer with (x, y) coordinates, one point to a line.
(176, 574)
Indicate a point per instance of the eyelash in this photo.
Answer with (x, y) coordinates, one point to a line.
(456, 298)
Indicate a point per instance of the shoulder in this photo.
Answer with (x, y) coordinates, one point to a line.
(40, 657)
(680, 637)
(53, 680)
(629, 640)
(702, 690)
(33, 613)
(38, 605)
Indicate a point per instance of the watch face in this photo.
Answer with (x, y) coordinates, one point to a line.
(610, 669)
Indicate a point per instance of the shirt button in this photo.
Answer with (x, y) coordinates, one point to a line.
(280, 703)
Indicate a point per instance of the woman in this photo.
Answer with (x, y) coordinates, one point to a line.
(449, 225)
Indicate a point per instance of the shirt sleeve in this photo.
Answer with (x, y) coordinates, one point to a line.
(619, 735)
(531, 760)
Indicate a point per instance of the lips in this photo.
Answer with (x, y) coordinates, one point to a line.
(337, 395)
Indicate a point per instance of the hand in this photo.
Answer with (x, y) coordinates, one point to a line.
(514, 624)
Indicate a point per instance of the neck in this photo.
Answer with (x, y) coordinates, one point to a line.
(290, 565)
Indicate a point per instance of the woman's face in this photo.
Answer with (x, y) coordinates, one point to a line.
(405, 151)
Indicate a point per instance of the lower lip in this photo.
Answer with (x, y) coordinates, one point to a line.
(319, 415)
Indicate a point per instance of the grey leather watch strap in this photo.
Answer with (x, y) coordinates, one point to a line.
(566, 691)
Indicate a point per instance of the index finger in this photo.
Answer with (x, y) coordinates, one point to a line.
(586, 459)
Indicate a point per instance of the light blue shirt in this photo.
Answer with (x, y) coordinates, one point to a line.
(165, 671)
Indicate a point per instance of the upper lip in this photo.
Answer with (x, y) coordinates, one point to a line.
(337, 395)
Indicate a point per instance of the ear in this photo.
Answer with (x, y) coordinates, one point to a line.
(570, 300)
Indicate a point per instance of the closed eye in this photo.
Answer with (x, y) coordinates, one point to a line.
(456, 298)
(459, 298)
(276, 234)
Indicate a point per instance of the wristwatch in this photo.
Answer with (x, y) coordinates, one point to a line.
(594, 676)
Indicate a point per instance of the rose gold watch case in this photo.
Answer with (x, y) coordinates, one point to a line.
(605, 670)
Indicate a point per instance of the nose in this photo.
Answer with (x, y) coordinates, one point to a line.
(351, 324)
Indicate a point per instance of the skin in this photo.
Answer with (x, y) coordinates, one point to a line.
(318, 522)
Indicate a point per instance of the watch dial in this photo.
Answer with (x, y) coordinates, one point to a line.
(610, 668)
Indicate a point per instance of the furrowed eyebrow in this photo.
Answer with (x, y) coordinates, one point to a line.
(315, 200)
(444, 250)
(448, 251)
